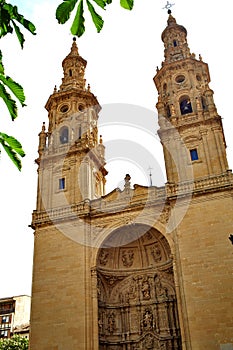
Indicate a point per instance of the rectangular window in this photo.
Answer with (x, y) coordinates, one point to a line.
(62, 183)
(4, 334)
(194, 154)
(5, 319)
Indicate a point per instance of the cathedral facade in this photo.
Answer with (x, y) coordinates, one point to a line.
(143, 267)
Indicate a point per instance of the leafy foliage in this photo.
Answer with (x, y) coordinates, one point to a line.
(65, 9)
(127, 4)
(9, 20)
(8, 17)
(13, 148)
(14, 343)
(78, 24)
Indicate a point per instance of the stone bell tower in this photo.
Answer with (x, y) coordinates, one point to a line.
(190, 127)
(199, 192)
(71, 172)
(71, 158)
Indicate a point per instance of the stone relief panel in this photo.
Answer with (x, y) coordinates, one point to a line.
(127, 257)
(150, 249)
(136, 296)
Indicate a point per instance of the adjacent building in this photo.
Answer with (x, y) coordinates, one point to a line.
(14, 314)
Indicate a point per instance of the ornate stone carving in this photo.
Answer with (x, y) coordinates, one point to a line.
(127, 257)
(137, 303)
(111, 326)
(147, 320)
(103, 257)
(146, 289)
(156, 253)
(161, 291)
(148, 342)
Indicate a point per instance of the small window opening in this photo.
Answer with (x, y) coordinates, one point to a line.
(168, 111)
(64, 135)
(62, 183)
(70, 72)
(79, 132)
(194, 154)
(175, 43)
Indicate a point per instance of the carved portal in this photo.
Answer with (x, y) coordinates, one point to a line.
(136, 294)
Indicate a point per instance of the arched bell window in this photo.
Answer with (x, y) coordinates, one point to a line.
(185, 105)
(64, 135)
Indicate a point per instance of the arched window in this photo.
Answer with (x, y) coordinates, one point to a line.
(70, 72)
(185, 105)
(64, 135)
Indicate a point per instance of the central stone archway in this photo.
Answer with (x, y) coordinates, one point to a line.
(137, 307)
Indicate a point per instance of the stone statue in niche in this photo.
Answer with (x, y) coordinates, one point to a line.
(127, 257)
(111, 322)
(156, 253)
(130, 292)
(146, 289)
(147, 320)
(103, 257)
(161, 291)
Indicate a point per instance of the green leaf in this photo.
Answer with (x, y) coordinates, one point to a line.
(13, 143)
(97, 19)
(10, 103)
(13, 11)
(13, 148)
(64, 10)
(127, 4)
(1, 64)
(16, 88)
(19, 34)
(78, 27)
(101, 3)
(8, 15)
(5, 19)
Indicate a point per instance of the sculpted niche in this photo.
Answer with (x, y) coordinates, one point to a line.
(137, 306)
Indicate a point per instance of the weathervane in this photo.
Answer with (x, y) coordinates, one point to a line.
(168, 6)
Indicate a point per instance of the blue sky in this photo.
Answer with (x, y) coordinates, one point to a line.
(122, 61)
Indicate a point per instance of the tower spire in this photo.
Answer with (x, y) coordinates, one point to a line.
(74, 69)
(174, 37)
